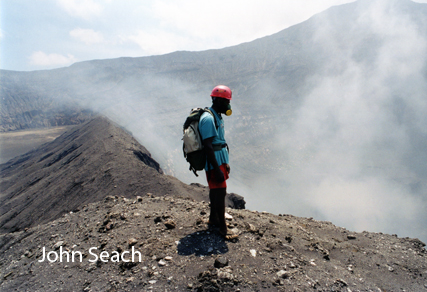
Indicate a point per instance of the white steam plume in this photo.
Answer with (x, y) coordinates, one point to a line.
(353, 153)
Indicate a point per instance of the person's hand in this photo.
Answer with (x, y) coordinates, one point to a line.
(227, 167)
(219, 175)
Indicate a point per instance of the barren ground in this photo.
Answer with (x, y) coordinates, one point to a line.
(180, 253)
(19, 142)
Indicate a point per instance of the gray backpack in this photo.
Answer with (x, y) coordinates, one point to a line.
(192, 142)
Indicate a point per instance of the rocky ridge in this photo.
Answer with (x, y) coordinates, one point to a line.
(178, 252)
(83, 165)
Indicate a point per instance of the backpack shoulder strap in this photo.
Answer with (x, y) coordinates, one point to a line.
(209, 111)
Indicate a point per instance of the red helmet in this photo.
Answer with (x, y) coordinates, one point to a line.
(221, 91)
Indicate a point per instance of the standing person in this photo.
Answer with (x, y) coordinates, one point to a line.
(217, 168)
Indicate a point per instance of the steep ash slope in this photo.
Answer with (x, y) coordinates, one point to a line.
(174, 251)
(83, 165)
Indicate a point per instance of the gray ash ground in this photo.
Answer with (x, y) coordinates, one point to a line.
(180, 253)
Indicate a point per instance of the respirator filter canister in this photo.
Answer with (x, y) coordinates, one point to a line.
(228, 112)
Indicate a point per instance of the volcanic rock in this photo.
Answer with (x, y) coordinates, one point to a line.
(193, 257)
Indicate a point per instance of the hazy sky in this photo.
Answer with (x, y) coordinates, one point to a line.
(48, 34)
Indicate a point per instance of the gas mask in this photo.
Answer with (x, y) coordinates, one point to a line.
(223, 106)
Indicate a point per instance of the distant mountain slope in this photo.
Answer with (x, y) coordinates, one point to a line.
(27, 102)
(84, 165)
